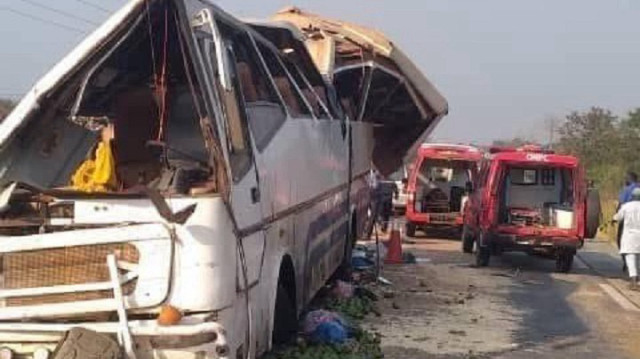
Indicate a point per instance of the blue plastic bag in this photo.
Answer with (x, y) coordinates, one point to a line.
(325, 327)
(330, 333)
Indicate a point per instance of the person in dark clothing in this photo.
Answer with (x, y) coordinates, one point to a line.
(387, 190)
(630, 183)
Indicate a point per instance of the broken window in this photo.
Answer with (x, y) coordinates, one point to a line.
(262, 108)
(132, 112)
(253, 79)
(316, 97)
(235, 124)
(298, 62)
(290, 95)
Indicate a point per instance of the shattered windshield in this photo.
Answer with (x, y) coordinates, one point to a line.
(130, 118)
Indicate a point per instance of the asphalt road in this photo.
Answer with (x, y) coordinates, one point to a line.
(518, 307)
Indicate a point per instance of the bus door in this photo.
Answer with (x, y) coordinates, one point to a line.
(218, 54)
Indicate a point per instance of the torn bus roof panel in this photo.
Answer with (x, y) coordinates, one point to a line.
(376, 82)
(352, 38)
(63, 69)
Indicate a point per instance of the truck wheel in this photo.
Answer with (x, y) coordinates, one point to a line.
(467, 240)
(411, 229)
(564, 261)
(483, 251)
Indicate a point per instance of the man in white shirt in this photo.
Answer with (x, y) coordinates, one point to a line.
(630, 240)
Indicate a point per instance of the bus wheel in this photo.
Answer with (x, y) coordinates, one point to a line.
(411, 229)
(285, 325)
(467, 240)
(483, 251)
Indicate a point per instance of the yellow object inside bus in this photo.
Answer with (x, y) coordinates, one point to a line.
(97, 174)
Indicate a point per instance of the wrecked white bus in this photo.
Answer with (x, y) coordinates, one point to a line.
(182, 183)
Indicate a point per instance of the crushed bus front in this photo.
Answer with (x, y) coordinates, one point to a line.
(56, 275)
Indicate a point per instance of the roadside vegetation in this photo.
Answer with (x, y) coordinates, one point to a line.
(608, 145)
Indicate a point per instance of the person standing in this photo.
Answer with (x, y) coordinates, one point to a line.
(387, 190)
(373, 180)
(629, 213)
(630, 183)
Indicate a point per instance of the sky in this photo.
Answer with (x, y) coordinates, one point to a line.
(507, 67)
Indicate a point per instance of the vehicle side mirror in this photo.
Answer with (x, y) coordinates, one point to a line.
(468, 187)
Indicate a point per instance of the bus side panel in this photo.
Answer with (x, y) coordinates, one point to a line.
(360, 200)
(362, 147)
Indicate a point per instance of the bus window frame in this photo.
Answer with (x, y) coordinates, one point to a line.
(256, 38)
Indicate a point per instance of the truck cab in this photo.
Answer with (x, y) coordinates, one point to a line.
(527, 199)
(439, 185)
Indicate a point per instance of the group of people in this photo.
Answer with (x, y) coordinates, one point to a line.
(628, 219)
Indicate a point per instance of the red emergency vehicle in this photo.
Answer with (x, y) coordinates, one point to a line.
(439, 184)
(532, 200)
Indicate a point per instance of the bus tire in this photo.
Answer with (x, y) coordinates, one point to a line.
(285, 321)
(411, 229)
(467, 240)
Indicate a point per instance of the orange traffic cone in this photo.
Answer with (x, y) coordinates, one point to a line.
(394, 246)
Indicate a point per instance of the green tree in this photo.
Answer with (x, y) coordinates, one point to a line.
(633, 119)
(593, 135)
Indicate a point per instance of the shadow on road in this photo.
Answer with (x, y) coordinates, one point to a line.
(547, 316)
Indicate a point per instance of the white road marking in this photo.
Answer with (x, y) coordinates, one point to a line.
(612, 291)
(625, 303)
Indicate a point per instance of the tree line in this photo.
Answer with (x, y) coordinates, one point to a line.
(608, 145)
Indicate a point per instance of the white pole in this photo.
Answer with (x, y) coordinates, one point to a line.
(124, 335)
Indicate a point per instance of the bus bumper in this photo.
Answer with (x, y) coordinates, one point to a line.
(204, 340)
